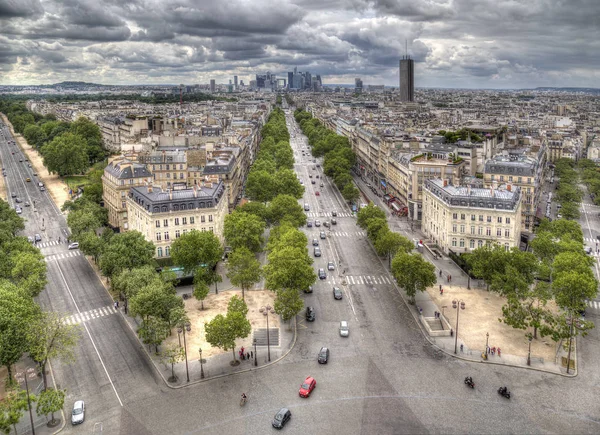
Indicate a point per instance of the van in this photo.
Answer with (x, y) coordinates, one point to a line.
(306, 207)
(344, 331)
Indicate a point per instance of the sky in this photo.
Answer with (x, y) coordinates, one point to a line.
(455, 43)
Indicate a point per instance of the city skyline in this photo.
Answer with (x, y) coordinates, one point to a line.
(454, 44)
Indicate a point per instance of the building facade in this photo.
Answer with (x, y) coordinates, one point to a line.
(407, 80)
(462, 219)
(163, 216)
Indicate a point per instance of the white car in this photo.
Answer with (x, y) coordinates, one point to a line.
(78, 413)
(74, 245)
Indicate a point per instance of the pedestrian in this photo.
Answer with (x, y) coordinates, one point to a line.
(440, 273)
(448, 278)
(247, 356)
(441, 291)
(251, 354)
(420, 310)
(493, 350)
(461, 347)
(451, 332)
(242, 349)
(498, 352)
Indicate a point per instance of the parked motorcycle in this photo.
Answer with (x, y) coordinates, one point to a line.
(469, 382)
(503, 391)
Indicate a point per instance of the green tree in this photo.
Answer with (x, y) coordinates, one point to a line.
(528, 309)
(172, 355)
(487, 261)
(153, 331)
(413, 273)
(284, 157)
(239, 325)
(49, 402)
(126, 251)
(286, 235)
(90, 244)
(196, 248)
(520, 270)
(375, 227)
(210, 276)
(261, 186)
(29, 272)
(286, 208)
(254, 208)
(237, 305)
(15, 404)
(367, 213)
(83, 221)
(288, 303)
(288, 184)
(66, 155)
(156, 299)
(201, 289)
(570, 210)
(128, 282)
(388, 243)
(243, 269)
(244, 230)
(289, 268)
(35, 136)
(48, 336)
(220, 332)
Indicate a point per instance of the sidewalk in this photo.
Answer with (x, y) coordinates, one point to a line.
(480, 316)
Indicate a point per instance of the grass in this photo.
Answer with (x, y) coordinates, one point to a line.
(75, 181)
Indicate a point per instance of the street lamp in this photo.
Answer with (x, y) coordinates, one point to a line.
(529, 351)
(201, 366)
(187, 327)
(457, 304)
(255, 354)
(487, 339)
(265, 310)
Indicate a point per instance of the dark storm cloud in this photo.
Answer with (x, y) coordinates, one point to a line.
(454, 42)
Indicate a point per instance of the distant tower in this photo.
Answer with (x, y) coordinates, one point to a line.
(213, 87)
(235, 82)
(358, 85)
(407, 78)
(180, 95)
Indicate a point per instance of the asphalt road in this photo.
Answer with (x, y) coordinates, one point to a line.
(384, 378)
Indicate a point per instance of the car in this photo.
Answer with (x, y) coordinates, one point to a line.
(317, 194)
(302, 182)
(13, 195)
(314, 169)
(310, 314)
(18, 210)
(323, 356)
(344, 331)
(42, 189)
(40, 184)
(315, 242)
(281, 418)
(317, 223)
(317, 176)
(18, 200)
(38, 238)
(309, 224)
(30, 239)
(326, 224)
(29, 164)
(559, 216)
(333, 221)
(78, 413)
(307, 386)
(330, 266)
(28, 179)
(321, 184)
(313, 182)
(26, 204)
(35, 174)
(309, 175)
(334, 213)
(588, 250)
(306, 207)
(322, 235)
(21, 160)
(74, 245)
(309, 289)
(322, 274)
(337, 293)
(317, 251)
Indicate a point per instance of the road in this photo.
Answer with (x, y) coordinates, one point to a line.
(110, 369)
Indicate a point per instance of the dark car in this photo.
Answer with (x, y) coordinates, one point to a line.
(310, 314)
(312, 182)
(334, 213)
(337, 293)
(322, 274)
(315, 242)
(309, 289)
(281, 418)
(309, 224)
(323, 357)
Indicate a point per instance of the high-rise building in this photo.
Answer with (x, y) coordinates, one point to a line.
(407, 79)
(213, 86)
(358, 85)
(235, 81)
(290, 80)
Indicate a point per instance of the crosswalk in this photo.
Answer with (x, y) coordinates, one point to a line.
(46, 244)
(86, 316)
(62, 256)
(347, 234)
(317, 214)
(594, 304)
(360, 280)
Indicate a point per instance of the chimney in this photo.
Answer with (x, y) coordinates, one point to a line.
(149, 188)
(170, 194)
(469, 190)
(195, 192)
(445, 183)
(509, 187)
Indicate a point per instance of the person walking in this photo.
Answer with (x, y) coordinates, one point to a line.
(498, 352)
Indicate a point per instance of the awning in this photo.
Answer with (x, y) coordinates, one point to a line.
(383, 183)
(386, 197)
(395, 206)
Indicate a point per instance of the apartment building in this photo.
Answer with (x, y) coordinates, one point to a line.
(462, 219)
(165, 215)
(119, 176)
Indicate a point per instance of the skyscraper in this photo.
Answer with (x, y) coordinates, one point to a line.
(358, 85)
(407, 79)
(212, 85)
(235, 81)
(290, 80)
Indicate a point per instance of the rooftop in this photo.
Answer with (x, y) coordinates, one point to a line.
(506, 198)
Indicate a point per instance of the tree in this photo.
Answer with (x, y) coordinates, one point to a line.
(219, 333)
(288, 184)
(244, 269)
(287, 235)
(29, 272)
(286, 208)
(35, 136)
(289, 268)
(570, 210)
(17, 310)
(244, 230)
(91, 244)
(201, 289)
(527, 309)
(388, 243)
(288, 303)
(153, 331)
(261, 186)
(487, 261)
(172, 355)
(129, 282)
(15, 404)
(156, 299)
(284, 157)
(82, 221)
(210, 276)
(350, 193)
(519, 273)
(50, 401)
(48, 336)
(371, 211)
(375, 227)
(253, 208)
(237, 305)
(413, 273)
(239, 325)
(196, 248)
(66, 155)
(126, 251)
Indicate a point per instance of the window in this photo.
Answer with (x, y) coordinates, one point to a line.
(158, 237)
(529, 180)
(176, 221)
(167, 251)
(480, 230)
(479, 243)
(489, 218)
(472, 244)
(480, 218)
(510, 178)
(166, 235)
(506, 233)
(159, 252)
(184, 231)
(210, 219)
(488, 231)
(462, 228)
(210, 229)
(192, 220)
(501, 177)
(177, 234)
(453, 242)
(499, 219)
(184, 221)
(454, 215)
(202, 219)
(167, 167)
(462, 243)
(506, 247)
(462, 216)
(472, 217)
(166, 222)
(499, 232)
(157, 224)
(472, 230)
(507, 220)
(168, 175)
(454, 228)
(520, 180)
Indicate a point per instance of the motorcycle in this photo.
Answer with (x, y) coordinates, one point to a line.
(503, 391)
(469, 382)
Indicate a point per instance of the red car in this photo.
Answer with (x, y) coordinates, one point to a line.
(307, 386)
(317, 193)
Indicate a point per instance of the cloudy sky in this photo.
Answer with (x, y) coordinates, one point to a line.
(455, 43)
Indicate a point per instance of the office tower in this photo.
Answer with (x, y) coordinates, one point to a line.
(213, 87)
(358, 85)
(407, 79)
(307, 80)
(290, 80)
(235, 81)
(260, 80)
